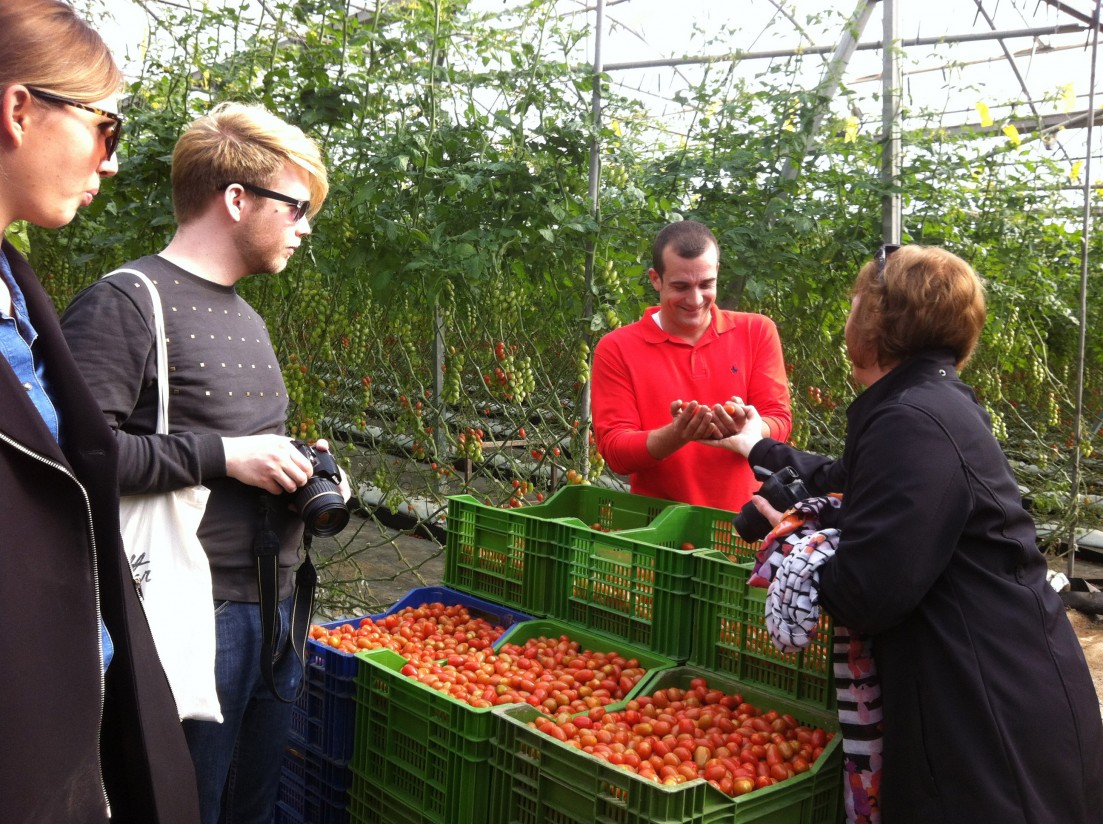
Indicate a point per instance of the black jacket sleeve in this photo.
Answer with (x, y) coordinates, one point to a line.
(820, 475)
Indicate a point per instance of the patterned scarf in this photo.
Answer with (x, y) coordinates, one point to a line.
(788, 564)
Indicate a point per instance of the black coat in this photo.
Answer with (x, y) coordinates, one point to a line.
(990, 714)
(60, 551)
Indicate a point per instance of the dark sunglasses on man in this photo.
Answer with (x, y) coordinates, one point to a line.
(301, 206)
(112, 134)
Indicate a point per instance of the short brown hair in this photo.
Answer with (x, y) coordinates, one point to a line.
(689, 239)
(925, 298)
(240, 143)
(46, 46)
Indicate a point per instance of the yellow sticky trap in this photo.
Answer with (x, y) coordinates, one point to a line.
(850, 133)
(1067, 98)
(985, 116)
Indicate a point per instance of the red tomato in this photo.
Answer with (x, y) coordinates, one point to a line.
(742, 786)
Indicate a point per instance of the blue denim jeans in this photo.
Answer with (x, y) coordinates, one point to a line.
(237, 762)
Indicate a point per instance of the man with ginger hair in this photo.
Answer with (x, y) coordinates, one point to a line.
(245, 186)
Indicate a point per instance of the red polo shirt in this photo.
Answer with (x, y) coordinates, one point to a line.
(640, 369)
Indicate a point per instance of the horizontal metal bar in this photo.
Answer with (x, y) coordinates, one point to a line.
(1068, 28)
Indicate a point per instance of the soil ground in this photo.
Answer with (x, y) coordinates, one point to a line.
(379, 565)
(1089, 628)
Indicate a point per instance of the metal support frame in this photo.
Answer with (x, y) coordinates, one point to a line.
(1085, 234)
(585, 402)
(832, 79)
(733, 57)
(892, 83)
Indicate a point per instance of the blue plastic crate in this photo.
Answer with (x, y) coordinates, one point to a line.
(291, 799)
(313, 789)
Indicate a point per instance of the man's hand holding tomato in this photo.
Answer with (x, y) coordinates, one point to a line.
(690, 421)
(717, 426)
(739, 427)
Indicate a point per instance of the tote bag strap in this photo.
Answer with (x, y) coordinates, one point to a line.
(160, 347)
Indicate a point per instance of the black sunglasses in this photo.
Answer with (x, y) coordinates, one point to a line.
(114, 132)
(301, 206)
(882, 256)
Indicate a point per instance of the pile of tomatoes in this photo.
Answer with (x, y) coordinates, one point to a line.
(429, 632)
(451, 651)
(555, 675)
(677, 735)
(672, 736)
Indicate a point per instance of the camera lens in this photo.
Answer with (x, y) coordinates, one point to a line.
(322, 507)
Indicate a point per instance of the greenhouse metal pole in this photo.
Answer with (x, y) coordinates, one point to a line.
(440, 443)
(773, 54)
(1084, 245)
(595, 212)
(832, 78)
(892, 81)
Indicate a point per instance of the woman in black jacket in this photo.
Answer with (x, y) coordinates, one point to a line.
(88, 726)
(989, 711)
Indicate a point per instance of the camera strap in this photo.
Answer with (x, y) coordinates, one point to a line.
(266, 551)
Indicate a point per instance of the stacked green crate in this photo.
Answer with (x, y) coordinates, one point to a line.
(689, 528)
(517, 556)
(622, 586)
(424, 756)
(730, 636)
(540, 779)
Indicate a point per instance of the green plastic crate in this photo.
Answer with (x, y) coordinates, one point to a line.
(370, 803)
(730, 636)
(627, 588)
(373, 804)
(539, 779)
(513, 556)
(587, 639)
(429, 752)
(488, 552)
(608, 508)
(700, 526)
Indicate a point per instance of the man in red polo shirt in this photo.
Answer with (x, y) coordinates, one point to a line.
(659, 383)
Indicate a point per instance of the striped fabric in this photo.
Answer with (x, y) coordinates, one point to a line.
(788, 564)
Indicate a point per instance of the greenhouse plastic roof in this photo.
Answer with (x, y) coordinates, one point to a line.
(1030, 78)
(1036, 78)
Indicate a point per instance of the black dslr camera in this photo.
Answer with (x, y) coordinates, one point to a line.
(781, 489)
(320, 502)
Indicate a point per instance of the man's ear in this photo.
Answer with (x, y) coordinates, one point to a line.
(233, 201)
(656, 279)
(15, 113)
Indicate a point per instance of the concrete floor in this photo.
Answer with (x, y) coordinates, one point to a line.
(370, 566)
